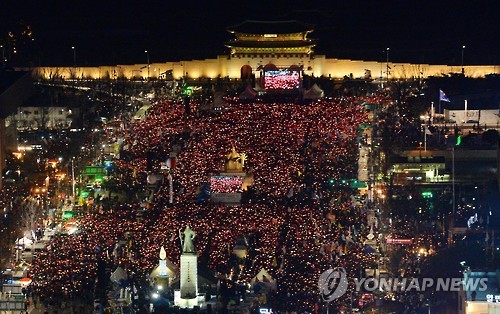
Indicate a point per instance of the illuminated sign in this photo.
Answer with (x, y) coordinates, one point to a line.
(399, 241)
(226, 184)
(427, 194)
(265, 311)
(281, 79)
(68, 215)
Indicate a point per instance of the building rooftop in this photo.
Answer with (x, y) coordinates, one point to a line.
(270, 27)
(270, 44)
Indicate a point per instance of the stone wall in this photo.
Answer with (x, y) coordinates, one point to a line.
(225, 66)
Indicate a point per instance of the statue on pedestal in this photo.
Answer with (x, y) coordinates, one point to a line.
(234, 161)
(187, 296)
(187, 240)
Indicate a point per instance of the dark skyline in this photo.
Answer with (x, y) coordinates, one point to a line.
(114, 32)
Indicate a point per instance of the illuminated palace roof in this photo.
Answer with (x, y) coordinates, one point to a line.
(271, 37)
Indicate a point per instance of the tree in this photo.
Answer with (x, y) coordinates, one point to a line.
(29, 215)
(42, 118)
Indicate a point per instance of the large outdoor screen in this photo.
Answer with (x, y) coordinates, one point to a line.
(281, 79)
(225, 184)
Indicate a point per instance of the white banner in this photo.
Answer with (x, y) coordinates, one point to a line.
(487, 116)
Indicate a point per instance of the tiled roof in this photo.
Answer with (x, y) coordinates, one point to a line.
(271, 44)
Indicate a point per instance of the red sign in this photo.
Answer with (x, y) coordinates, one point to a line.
(399, 241)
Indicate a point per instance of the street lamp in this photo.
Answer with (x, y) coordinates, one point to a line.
(463, 48)
(73, 179)
(387, 63)
(74, 56)
(428, 304)
(147, 54)
(453, 180)
(3, 56)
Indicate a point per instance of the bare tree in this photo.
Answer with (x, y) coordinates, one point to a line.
(42, 119)
(31, 211)
(55, 76)
(72, 73)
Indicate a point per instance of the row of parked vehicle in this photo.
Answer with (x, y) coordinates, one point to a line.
(28, 249)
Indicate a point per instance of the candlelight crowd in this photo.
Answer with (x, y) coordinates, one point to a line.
(296, 223)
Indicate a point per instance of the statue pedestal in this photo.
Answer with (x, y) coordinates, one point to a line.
(227, 198)
(187, 296)
(236, 173)
(199, 301)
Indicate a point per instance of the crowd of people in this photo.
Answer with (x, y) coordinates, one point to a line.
(299, 225)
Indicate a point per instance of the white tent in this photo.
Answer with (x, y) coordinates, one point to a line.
(248, 93)
(172, 270)
(314, 92)
(263, 276)
(118, 275)
(24, 241)
(141, 113)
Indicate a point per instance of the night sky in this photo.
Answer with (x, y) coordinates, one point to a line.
(118, 32)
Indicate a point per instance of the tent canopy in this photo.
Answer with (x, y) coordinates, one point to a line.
(141, 113)
(315, 92)
(118, 275)
(24, 241)
(172, 270)
(263, 281)
(263, 276)
(248, 93)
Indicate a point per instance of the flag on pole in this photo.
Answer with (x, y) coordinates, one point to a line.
(443, 97)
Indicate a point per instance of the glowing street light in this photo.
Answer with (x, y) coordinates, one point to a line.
(387, 63)
(74, 56)
(147, 54)
(3, 56)
(463, 48)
